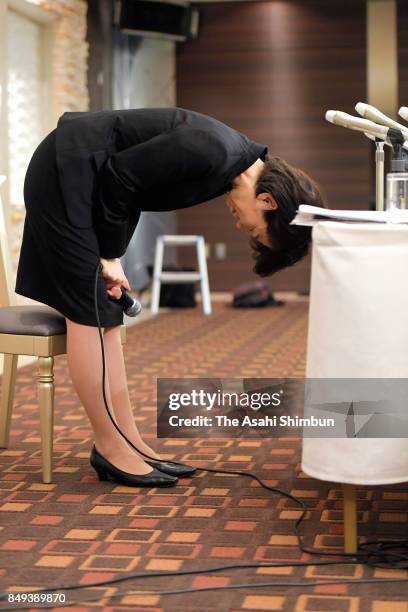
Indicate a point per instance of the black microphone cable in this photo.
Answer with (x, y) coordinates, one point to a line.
(388, 554)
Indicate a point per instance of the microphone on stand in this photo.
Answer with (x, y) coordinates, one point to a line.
(370, 112)
(388, 134)
(361, 125)
(392, 133)
(403, 112)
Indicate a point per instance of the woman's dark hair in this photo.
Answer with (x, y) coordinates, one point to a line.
(290, 187)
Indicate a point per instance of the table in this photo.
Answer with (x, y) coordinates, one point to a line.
(358, 328)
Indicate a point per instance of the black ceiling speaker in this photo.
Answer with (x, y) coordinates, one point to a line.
(174, 19)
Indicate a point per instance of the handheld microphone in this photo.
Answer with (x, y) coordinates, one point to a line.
(130, 305)
(370, 112)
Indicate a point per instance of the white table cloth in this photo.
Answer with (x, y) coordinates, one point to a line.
(358, 328)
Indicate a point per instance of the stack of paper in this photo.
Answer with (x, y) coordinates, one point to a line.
(310, 215)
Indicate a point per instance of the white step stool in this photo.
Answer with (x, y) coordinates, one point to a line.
(180, 277)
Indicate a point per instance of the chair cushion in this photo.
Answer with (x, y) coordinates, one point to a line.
(32, 321)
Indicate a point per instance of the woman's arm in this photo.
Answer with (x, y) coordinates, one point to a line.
(114, 276)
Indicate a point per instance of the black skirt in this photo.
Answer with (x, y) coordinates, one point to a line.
(58, 261)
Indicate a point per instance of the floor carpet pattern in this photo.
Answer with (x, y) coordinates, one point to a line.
(79, 530)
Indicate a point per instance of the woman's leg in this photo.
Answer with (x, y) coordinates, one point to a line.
(118, 385)
(85, 367)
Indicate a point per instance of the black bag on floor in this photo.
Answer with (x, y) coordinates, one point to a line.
(254, 295)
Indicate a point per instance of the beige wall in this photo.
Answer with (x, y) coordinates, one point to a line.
(69, 55)
(65, 62)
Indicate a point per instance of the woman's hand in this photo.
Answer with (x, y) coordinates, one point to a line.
(114, 277)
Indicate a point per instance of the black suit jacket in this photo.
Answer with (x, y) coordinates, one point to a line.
(114, 164)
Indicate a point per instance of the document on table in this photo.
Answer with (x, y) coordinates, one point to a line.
(310, 215)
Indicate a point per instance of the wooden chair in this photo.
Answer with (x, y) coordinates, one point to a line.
(29, 330)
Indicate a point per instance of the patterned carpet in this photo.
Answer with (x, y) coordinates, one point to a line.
(80, 530)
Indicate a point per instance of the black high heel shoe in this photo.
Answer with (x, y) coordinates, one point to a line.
(107, 471)
(173, 470)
